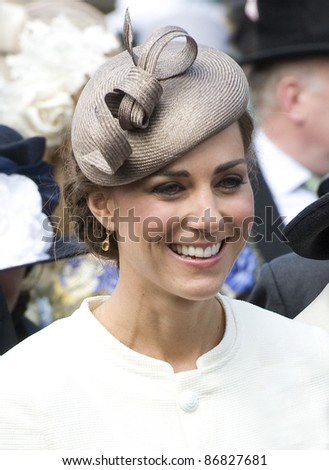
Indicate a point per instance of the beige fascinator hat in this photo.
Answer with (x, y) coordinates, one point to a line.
(147, 106)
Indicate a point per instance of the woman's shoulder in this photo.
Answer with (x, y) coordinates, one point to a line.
(57, 357)
(276, 331)
(52, 346)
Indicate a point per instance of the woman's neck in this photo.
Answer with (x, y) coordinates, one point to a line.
(164, 327)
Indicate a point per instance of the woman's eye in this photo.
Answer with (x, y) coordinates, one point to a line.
(168, 189)
(231, 182)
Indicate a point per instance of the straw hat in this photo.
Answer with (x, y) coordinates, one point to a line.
(147, 106)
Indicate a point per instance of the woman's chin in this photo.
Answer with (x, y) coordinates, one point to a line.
(198, 292)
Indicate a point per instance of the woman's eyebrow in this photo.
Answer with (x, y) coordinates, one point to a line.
(229, 165)
(185, 174)
(172, 173)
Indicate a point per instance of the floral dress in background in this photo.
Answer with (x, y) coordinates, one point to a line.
(60, 287)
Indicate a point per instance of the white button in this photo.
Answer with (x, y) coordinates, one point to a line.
(188, 401)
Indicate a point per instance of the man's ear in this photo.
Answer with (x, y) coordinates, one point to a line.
(102, 206)
(290, 93)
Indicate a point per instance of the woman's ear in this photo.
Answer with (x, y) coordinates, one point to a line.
(102, 206)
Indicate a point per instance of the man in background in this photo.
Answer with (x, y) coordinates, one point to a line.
(284, 47)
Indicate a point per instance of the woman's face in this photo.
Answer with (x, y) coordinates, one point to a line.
(180, 230)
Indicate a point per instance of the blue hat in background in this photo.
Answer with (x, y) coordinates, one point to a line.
(24, 157)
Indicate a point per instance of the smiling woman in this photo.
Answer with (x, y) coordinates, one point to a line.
(158, 182)
(184, 205)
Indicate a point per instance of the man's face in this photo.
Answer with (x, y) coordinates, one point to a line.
(316, 124)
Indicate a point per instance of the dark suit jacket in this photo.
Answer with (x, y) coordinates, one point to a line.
(8, 337)
(290, 283)
(267, 234)
(13, 330)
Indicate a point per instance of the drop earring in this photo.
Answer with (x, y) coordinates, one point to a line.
(106, 245)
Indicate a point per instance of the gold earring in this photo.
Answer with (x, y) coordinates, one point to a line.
(106, 245)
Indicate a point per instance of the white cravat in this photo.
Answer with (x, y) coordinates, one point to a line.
(285, 177)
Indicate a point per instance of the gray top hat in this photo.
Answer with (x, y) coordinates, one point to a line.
(287, 28)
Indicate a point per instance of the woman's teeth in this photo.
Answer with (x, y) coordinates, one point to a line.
(197, 251)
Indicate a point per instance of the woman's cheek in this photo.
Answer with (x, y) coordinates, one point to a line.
(152, 229)
(245, 216)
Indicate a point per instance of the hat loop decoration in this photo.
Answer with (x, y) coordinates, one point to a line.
(128, 36)
(133, 101)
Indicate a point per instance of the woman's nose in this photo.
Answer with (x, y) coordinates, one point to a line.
(205, 215)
